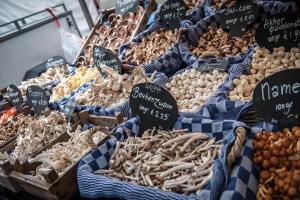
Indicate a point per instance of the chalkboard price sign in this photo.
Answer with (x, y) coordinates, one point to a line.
(15, 96)
(278, 97)
(125, 6)
(154, 105)
(172, 12)
(69, 109)
(104, 56)
(56, 61)
(238, 17)
(279, 30)
(37, 99)
(212, 65)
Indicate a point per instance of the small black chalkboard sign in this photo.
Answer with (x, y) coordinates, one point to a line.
(69, 109)
(15, 96)
(37, 99)
(125, 6)
(277, 97)
(172, 12)
(104, 56)
(154, 105)
(56, 61)
(279, 30)
(236, 18)
(212, 65)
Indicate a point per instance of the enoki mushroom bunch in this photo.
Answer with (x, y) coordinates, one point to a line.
(52, 74)
(169, 160)
(192, 88)
(151, 47)
(114, 89)
(218, 43)
(264, 64)
(64, 154)
(37, 134)
(72, 82)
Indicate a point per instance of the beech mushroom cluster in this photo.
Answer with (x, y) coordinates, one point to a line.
(118, 31)
(218, 43)
(151, 47)
(264, 64)
(169, 160)
(192, 88)
(114, 89)
(278, 156)
(51, 74)
(72, 82)
(64, 154)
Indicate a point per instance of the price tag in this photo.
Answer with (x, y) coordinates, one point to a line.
(210, 66)
(278, 96)
(69, 109)
(56, 61)
(172, 12)
(37, 99)
(104, 56)
(279, 30)
(15, 96)
(154, 105)
(238, 17)
(125, 6)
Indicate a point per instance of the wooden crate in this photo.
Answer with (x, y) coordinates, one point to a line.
(103, 17)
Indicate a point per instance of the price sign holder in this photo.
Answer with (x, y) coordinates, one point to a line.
(15, 96)
(154, 106)
(211, 65)
(104, 56)
(37, 99)
(172, 12)
(279, 30)
(56, 61)
(278, 97)
(236, 18)
(125, 6)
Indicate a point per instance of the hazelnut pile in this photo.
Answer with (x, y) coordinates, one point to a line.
(70, 83)
(264, 64)
(278, 156)
(151, 47)
(219, 4)
(192, 88)
(218, 43)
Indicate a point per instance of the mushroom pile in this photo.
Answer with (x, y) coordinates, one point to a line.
(114, 89)
(52, 74)
(220, 4)
(191, 4)
(218, 43)
(72, 82)
(192, 88)
(63, 155)
(264, 64)
(150, 48)
(169, 160)
(278, 156)
(37, 134)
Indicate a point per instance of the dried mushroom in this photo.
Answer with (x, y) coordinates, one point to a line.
(150, 48)
(264, 64)
(72, 82)
(192, 88)
(114, 89)
(169, 160)
(218, 43)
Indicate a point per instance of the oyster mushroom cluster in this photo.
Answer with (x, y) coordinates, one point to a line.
(192, 88)
(37, 134)
(150, 48)
(114, 89)
(169, 160)
(63, 155)
(117, 32)
(264, 64)
(51, 74)
(72, 82)
(218, 43)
